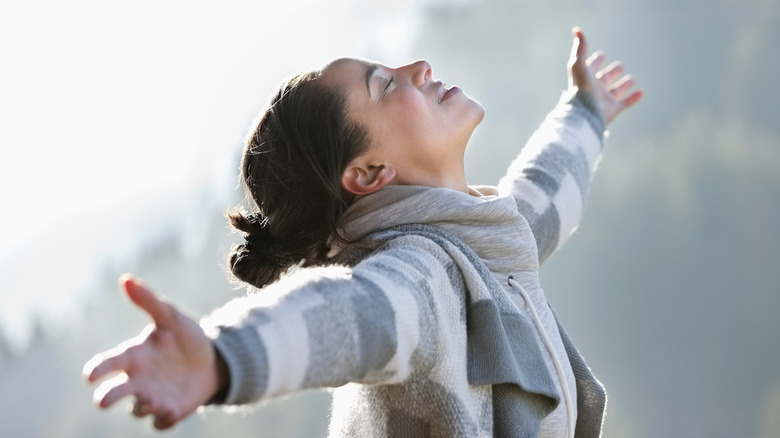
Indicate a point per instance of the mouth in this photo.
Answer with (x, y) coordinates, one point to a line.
(445, 93)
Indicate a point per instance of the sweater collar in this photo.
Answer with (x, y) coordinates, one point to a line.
(488, 222)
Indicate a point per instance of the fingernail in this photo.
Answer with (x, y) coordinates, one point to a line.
(124, 278)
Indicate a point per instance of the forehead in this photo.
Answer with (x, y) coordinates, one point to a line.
(349, 74)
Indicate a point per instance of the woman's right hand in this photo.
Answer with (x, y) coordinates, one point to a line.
(170, 368)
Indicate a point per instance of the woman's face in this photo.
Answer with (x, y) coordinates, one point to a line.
(415, 123)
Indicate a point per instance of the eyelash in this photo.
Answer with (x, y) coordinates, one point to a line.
(388, 84)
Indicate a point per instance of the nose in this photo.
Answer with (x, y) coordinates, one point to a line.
(419, 72)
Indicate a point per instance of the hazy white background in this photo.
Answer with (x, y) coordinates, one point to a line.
(121, 125)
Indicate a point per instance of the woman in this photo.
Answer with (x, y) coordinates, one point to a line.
(419, 295)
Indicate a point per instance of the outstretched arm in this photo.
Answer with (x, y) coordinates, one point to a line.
(551, 177)
(320, 327)
(171, 368)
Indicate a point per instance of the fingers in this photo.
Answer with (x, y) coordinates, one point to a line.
(621, 87)
(121, 358)
(110, 391)
(610, 73)
(164, 418)
(129, 361)
(160, 311)
(104, 364)
(121, 386)
(596, 60)
(164, 421)
(141, 409)
(632, 99)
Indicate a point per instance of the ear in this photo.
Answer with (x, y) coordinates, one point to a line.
(366, 179)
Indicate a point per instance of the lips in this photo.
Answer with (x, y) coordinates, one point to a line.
(451, 92)
(445, 93)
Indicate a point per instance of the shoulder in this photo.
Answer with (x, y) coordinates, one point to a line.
(412, 251)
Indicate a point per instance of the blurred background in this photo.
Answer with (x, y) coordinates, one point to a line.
(121, 130)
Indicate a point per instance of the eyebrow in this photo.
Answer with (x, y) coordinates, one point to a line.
(369, 73)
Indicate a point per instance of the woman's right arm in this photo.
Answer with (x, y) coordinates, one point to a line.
(170, 368)
(324, 327)
(319, 327)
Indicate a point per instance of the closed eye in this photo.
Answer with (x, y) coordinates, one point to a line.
(389, 81)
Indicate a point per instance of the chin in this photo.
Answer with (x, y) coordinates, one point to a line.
(479, 113)
(477, 109)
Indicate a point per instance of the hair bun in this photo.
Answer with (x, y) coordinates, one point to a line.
(260, 241)
(262, 257)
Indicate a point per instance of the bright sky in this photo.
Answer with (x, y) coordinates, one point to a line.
(109, 109)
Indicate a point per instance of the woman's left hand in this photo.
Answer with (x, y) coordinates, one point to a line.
(608, 86)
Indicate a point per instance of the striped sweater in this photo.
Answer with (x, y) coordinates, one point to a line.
(434, 322)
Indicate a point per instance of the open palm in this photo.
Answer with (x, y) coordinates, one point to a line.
(169, 367)
(608, 85)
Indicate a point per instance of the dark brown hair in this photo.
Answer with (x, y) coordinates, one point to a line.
(291, 171)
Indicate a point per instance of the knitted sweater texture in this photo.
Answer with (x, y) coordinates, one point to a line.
(434, 322)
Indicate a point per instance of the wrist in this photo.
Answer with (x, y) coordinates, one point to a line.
(590, 106)
(222, 378)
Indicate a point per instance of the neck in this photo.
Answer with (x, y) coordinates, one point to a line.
(450, 180)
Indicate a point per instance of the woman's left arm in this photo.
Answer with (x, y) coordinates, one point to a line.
(608, 86)
(551, 176)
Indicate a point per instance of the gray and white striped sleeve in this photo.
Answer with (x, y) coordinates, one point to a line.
(327, 326)
(550, 177)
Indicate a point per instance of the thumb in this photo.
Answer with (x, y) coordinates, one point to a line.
(579, 47)
(577, 66)
(582, 45)
(143, 297)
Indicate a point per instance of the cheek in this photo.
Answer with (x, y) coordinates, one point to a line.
(410, 101)
(412, 111)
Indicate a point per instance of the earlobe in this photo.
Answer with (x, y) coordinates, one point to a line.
(363, 181)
